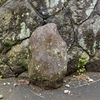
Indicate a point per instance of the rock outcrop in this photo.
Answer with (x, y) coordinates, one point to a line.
(77, 22)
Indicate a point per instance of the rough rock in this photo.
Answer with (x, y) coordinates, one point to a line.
(17, 21)
(97, 8)
(47, 57)
(73, 59)
(5, 70)
(81, 9)
(94, 64)
(23, 75)
(89, 35)
(48, 7)
(17, 57)
(63, 22)
(2, 2)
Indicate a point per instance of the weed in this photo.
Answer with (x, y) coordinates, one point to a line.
(0, 77)
(81, 67)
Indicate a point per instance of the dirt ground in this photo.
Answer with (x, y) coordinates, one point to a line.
(79, 88)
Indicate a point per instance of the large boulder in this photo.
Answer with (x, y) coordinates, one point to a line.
(47, 57)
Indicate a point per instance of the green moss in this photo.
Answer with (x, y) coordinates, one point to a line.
(9, 43)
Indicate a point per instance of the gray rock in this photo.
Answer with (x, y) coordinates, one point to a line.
(89, 35)
(73, 58)
(94, 64)
(48, 7)
(81, 9)
(64, 26)
(18, 57)
(23, 75)
(5, 70)
(97, 8)
(47, 57)
(2, 2)
(18, 20)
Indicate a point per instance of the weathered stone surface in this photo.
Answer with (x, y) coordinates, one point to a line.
(64, 26)
(89, 35)
(2, 2)
(81, 9)
(1, 47)
(73, 59)
(94, 64)
(17, 21)
(48, 7)
(23, 75)
(97, 8)
(5, 70)
(47, 57)
(17, 57)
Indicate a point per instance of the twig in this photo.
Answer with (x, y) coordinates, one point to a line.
(87, 84)
(36, 93)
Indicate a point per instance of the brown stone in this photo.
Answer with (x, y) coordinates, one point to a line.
(47, 57)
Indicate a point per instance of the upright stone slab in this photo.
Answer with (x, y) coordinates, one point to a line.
(47, 57)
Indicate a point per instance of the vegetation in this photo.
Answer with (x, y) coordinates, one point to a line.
(81, 67)
(10, 43)
(0, 77)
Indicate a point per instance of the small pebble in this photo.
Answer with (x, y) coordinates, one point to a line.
(87, 78)
(90, 80)
(8, 83)
(4, 84)
(67, 91)
(27, 82)
(40, 94)
(1, 96)
(67, 85)
(14, 84)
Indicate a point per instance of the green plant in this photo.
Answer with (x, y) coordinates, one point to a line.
(9, 43)
(0, 77)
(81, 67)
